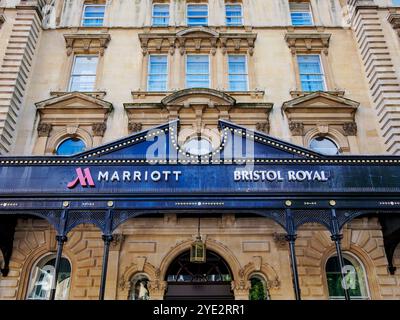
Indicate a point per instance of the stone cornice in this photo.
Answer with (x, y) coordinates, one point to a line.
(86, 42)
(57, 102)
(308, 42)
(200, 39)
(337, 100)
(95, 94)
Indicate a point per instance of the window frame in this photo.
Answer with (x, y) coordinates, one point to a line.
(351, 257)
(241, 14)
(46, 257)
(148, 72)
(83, 14)
(186, 71)
(71, 75)
(322, 70)
(327, 138)
(187, 14)
(309, 11)
(246, 68)
(67, 138)
(152, 14)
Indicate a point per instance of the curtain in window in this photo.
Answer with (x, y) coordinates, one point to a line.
(311, 76)
(158, 72)
(197, 15)
(93, 16)
(160, 15)
(197, 71)
(237, 73)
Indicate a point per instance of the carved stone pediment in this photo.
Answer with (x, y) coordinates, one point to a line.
(90, 43)
(198, 96)
(197, 39)
(74, 107)
(198, 109)
(308, 42)
(321, 108)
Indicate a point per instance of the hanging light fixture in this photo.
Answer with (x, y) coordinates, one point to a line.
(198, 248)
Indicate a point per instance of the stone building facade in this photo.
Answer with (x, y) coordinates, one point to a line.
(352, 102)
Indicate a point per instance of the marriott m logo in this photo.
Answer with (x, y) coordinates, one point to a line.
(84, 178)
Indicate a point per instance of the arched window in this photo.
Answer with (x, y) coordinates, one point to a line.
(324, 145)
(139, 290)
(198, 146)
(42, 278)
(70, 146)
(355, 279)
(258, 289)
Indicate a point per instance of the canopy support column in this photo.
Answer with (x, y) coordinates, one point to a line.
(337, 237)
(291, 238)
(107, 238)
(61, 239)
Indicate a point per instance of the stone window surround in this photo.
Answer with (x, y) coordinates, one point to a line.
(83, 44)
(58, 121)
(337, 122)
(311, 43)
(198, 40)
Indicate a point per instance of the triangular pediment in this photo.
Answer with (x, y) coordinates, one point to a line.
(320, 100)
(73, 101)
(159, 144)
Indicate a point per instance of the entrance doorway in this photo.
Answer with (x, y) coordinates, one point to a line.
(199, 281)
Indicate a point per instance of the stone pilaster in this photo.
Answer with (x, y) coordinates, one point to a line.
(15, 69)
(384, 84)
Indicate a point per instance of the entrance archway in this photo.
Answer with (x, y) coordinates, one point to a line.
(200, 281)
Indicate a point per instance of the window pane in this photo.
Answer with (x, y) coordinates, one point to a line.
(311, 76)
(257, 289)
(158, 73)
(300, 13)
(93, 16)
(324, 146)
(197, 15)
(70, 146)
(82, 83)
(237, 73)
(233, 15)
(356, 283)
(85, 65)
(83, 75)
(42, 279)
(160, 15)
(197, 71)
